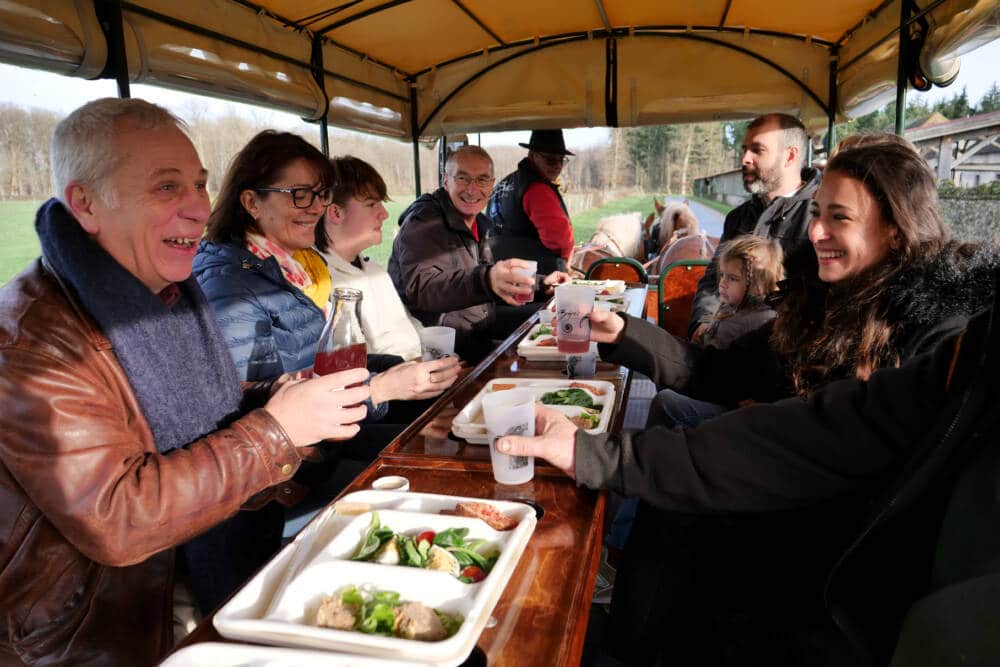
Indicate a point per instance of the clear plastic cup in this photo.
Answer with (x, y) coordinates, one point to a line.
(573, 306)
(530, 272)
(436, 342)
(510, 412)
(545, 316)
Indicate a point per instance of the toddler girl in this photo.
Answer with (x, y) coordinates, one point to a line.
(749, 268)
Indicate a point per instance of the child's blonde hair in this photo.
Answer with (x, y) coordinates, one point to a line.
(762, 264)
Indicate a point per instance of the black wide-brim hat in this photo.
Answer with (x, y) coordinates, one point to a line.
(547, 141)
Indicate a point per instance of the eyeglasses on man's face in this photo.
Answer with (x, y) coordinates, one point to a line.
(304, 197)
(465, 180)
(553, 160)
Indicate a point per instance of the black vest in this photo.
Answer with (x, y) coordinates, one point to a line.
(513, 233)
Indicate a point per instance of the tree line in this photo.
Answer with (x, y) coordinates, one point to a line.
(663, 159)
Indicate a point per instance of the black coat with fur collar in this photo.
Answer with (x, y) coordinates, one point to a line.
(928, 301)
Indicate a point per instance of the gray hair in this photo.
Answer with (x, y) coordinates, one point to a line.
(83, 144)
(793, 132)
(466, 151)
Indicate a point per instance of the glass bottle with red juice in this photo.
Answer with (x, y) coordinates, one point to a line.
(342, 343)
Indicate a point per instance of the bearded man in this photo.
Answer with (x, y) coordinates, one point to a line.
(773, 150)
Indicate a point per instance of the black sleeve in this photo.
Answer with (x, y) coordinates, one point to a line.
(746, 370)
(782, 455)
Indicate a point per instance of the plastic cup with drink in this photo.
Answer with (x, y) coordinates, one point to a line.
(530, 272)
(510, 412)
(573, 306)
(436, 342)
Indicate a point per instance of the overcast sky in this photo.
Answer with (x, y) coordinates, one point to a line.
(34, 88)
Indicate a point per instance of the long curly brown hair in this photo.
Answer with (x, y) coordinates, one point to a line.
(830, 331)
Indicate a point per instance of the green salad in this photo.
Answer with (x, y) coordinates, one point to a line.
(572, 396)
(376, 612)
(447, 551)
(543, 330)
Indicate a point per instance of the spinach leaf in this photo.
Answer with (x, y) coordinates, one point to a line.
(572, 396)
(453, 537)
(373, 540)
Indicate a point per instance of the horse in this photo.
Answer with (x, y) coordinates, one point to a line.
(677, 236)
(619, 235)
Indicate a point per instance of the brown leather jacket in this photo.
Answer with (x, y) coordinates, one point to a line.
(89, 510)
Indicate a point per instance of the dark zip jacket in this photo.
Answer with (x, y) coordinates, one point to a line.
(783, 218)
(514, 234)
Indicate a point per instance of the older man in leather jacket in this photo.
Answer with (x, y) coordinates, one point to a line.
(124, 430)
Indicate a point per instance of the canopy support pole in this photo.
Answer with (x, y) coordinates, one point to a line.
(831, 112)
(442, 158)
(611, 82)
(316, 67)
(415, 130)
(109, 13)
(902, 58)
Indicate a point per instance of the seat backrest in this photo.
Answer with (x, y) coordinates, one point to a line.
(678, 285)
(617, 268)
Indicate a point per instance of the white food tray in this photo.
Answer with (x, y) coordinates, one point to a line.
(471, 427)
(529, 349)
(217, 654)
(278, 605)
(603, 287)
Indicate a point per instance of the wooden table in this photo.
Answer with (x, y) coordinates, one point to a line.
(542, 614)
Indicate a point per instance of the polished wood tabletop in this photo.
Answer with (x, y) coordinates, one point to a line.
(542, 614)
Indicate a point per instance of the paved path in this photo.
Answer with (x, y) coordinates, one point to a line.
(709, 220)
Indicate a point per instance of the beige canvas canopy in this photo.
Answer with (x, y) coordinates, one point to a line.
(421, 68)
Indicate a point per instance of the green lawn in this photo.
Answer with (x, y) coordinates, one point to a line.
(19, 244)
(711, 203)
(18, 241)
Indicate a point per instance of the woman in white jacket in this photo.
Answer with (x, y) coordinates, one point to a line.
(353, 223)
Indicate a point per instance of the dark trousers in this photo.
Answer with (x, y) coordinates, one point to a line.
(733, 590)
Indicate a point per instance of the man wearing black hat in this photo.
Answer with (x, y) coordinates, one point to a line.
(529, 216)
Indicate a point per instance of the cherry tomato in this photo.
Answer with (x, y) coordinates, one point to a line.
(426, 535)
(473, 573)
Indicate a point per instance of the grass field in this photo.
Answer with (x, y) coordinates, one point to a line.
(18, 241)
(19, 244)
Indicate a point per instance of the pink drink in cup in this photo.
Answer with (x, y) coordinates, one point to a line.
(530, 272)
(573, 306)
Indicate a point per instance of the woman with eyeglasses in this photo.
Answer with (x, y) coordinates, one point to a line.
(270, 290)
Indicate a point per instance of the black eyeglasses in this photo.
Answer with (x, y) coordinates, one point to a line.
(482, 181)
(554, 160)
(304, 197)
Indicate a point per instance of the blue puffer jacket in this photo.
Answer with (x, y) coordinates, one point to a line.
(252, 302)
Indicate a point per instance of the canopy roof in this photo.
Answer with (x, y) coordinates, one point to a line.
(409, 68)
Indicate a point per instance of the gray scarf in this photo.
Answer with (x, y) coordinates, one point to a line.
(174, 357)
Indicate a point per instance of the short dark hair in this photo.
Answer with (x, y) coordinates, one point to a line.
(793, 132)
(352, 177)
(258, 165)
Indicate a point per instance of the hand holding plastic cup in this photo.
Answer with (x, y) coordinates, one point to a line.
(573, 306)
(510, 412)
(436, 342)
(528, 271)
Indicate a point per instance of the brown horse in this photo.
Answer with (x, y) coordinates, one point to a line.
(678, 236)
(619, 235)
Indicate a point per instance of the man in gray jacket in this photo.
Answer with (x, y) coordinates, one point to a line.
(441, 263)
(773, 150)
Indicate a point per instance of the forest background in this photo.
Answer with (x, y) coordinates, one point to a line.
(601, 178)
